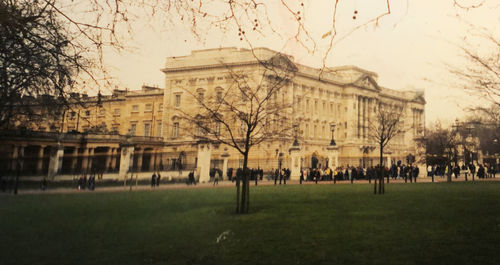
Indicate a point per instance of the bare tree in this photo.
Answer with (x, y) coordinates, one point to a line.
(252, 109)
(481, 73)
(442, 146)
(387, 123)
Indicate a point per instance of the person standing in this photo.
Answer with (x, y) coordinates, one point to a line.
(230, 174)
(301, 177)
(287, 175)
(472, 170)
(216, 178)
(255, 173)
(158, 178)
(276, 175)
(92, 182)
(191, 178)
(456, 171)
(416, 171)
(153, 180)
(44, 183)
(281, 175)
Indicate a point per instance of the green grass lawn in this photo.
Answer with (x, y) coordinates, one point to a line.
(456, 223)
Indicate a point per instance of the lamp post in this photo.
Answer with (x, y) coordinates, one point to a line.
(295, 132)
(333, 149)
(332, 129)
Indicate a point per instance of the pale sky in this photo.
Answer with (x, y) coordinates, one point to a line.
(409, 49)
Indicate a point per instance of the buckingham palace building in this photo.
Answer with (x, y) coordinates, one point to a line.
(342, 96)
(146, 131)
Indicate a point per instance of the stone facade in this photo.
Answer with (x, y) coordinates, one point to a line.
(342, 96)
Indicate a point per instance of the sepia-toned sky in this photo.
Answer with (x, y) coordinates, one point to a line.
(409, 49)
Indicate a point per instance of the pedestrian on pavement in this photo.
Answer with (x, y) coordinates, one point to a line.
(276, 175)
(153, 180)
(216, 178)
(281, 175)
(158, 178)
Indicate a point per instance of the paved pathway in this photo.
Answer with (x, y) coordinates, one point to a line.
(222, 184)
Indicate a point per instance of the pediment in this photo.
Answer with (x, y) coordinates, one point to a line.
(281, 61)
(368, 82)
(419, 99)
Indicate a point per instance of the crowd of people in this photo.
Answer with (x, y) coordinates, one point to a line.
(155, 179)
(482, 171)
(83, 182)
(352, 173)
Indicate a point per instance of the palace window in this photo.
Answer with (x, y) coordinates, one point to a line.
(219, 96)
(160, 108)
(117, 112)
(178, 100)
(87, 113)
(135, 108)
(175, 130)
(133, 128)
(149, 107)
(217, 128)
(158, 129)
(147, 129)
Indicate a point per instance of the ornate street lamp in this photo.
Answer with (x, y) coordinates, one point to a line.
(295, 132)
(332, 129)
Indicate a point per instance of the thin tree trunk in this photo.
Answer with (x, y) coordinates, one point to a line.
(237, 193)
(243, 193)
(380, 182)
(247, 207)
(381, 176)
(375, 186)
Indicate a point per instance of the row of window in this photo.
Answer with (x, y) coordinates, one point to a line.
(147, 129)
(117, 111)
(201, 96)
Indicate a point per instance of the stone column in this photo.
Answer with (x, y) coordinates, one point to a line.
(364, 116)
(91, 157)
(139, 154)
(203, 167)
(295, 162)
(39, 163)
(113, 158)
(14, 156)
(18, 157)
(56, 157)
(85, 160)
(224, 166)
(152, 160)
(107, 163)
(74, 159)
(358, 108)
(333, 156)
(125, 157)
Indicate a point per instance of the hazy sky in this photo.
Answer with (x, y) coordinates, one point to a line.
(409, 49)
